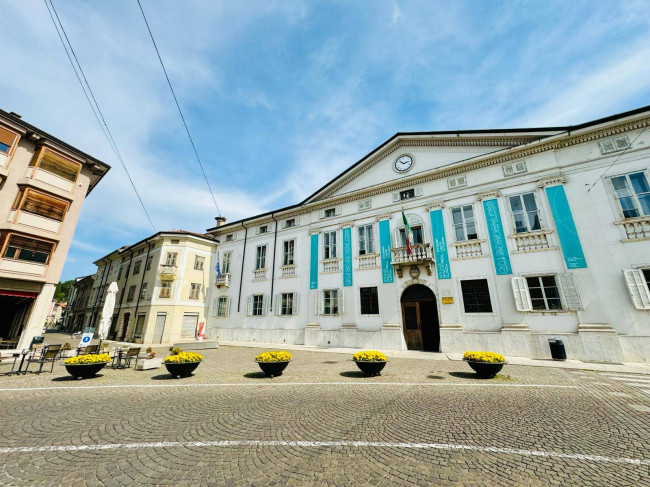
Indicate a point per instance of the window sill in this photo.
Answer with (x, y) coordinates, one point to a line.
(549, 312)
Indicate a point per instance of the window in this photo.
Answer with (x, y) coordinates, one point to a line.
(476, 296)
(165, 289)
(143, 291)
(136, 267)
(330, 212)
(223, 308)
(369, 301)
(464, 226)
(198, 262)
(457, 182)
(286, 304)
(7, 140)
(131, 294)
(329, 245)
(47, 160)
(331, 302)
(544, 294)
(264, 229)
(407, 194)
(225, 265)
(514, 168)
(119, 273)
(365, 204)
(638, 285)
(525, 212)
(230, 237)
(260, 259)
(646, 276)
(633, 194)
(417, 235)
(366, 242)
(27, 249)
(148, 266)
(175, 242)
(195, 289)
(257, 305)
(290, 223)
(287, 252)
(40, 204)
(139, 326)
(614, 145)
(171, 258)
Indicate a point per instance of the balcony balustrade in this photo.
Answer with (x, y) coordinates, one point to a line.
(167, 272)
(224, 281)
(531, 241)
(288, 270)
(259, 274)
(636, 228)
(331, 265)
(468, 249)
(420, 254)
(368, 261)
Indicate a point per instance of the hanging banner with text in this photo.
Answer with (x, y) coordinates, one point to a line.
(347, 256)
(497, 238)
(384, 247)
(440, 244)
(313, 263)
(566, 228)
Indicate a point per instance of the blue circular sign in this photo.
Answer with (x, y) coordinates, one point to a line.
(86, 339)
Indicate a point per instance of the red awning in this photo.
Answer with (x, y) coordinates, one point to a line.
(18, 294)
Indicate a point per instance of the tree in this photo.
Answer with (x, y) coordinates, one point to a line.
(62, 290)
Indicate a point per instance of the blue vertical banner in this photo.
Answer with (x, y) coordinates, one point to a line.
(566, 228)
(313, 263)
(384, 248)
(497, 238)
(440, 244)
(347, 256)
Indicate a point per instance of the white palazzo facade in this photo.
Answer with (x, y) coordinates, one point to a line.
(519, 236)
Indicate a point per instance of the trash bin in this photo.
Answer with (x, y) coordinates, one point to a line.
(37, 340)
(557, 349)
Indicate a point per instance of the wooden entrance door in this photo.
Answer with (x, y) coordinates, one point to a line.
(412, 326)
(420, 318)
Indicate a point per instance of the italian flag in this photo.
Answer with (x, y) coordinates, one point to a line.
(408, 233)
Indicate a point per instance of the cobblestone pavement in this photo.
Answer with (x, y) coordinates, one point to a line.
(322, 423)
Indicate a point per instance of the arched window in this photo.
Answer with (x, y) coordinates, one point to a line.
(417, 227)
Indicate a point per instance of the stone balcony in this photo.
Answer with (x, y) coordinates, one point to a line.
(635, 228)
(224, 281)
(368, 261)
(468, 249)
(331, 265)
(167, 272)
(421, 254)
(259, 274)
(288, 270)
(531, 241)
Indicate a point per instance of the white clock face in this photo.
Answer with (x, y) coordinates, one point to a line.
(403, 163)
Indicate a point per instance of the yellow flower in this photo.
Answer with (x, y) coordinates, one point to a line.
(279, 356)
(487, 357)
(369, 356)
(91, 358)
(183, 357)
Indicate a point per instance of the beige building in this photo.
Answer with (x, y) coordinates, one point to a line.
(43, 184)
(80, 305)
(163, 284)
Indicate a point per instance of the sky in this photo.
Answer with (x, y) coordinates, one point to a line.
(281, 96)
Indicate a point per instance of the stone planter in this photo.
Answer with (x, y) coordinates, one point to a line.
(149, 363)
(183, 369)
(486, 370)
(68, 353)
(84, 371)
(371, 368)
(273, 369)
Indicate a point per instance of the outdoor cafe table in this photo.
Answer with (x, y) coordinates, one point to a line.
(118, 358)
(22, 356)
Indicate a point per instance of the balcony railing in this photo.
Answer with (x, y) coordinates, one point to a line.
(167, 272)
(636, 228)
(224, 281)
(259, 274)
(288, 270)
(531, 241)
(420, 254)
(368, 261)
(468, 249)
(331, 265)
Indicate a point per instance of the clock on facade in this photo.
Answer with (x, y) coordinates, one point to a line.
(403, 163)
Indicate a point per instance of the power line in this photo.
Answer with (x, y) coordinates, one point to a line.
(95, 107)
(196, 153)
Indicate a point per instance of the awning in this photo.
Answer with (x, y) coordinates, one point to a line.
(18, 294)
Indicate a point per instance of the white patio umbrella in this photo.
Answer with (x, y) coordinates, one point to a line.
(107, 312)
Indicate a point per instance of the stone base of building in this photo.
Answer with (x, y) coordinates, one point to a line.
(390, 337)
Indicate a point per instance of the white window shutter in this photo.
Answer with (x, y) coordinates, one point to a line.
(569, 290)
(341, 294)
(265, 304)
(249, 306)
(520, 293)
(637, 288)
(228, 307)
(318, 303)
(278, 304)
(216, 307)
(396, 196)
(419, 191)
(321, 215)
(295, 303)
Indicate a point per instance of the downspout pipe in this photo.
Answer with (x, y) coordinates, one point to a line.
(137, 303)
(275, 242)
(241, 276)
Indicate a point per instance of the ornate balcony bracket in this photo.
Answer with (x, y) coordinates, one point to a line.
(421, 254)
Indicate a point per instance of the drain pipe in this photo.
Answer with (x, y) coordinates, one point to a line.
(275, 242)
(137, 303)
(241, 276)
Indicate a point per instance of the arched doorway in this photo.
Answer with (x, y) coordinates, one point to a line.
(420, 318)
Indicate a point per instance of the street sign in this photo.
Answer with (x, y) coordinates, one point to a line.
(85, 339)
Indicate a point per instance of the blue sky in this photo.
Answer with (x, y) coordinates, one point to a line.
(281, 96)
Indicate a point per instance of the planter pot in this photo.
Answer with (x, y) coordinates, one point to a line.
(182, 369)
(68, 353)
(149, 363)
(84, 371)
(273, 369)
(485, 370)
(371, 368)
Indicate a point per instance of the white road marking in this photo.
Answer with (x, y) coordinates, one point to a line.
(282, 384)
(326, 444)
(629, 379)
(645, 391)
(640, 407)
(638, 384)
(623, 374)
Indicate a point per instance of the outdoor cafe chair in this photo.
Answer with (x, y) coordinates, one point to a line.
(131, 354)
(6, 361)
(88, 350)
(48, 354)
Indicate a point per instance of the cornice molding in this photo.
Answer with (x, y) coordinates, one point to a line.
(383, 216)
(434, 205)
(488, 194)
(553, 181)
(347, 224)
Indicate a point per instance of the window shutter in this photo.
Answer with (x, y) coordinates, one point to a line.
(318, 303)
(396, 196)
(295, 303)
(265, 305)
(278, 304)
(419, 191)
(228, 307)
(637, 288)
(249, 306)
(338, 210)
(341, 294)
(569, 290)
(321, 215)
(216, 307)
(520, 293)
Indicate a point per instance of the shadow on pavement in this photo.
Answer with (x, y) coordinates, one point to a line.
(256, 375)
(69, 378)
(466, 375)
(164, 377)
(353, 374)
